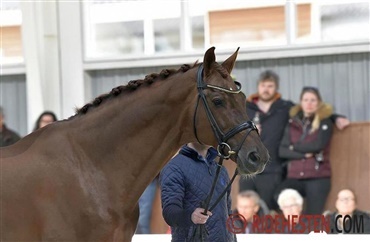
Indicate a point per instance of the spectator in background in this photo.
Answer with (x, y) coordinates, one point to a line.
(306, 145)
(291, 204)
(44, 119)
(270, 113)
(7, 136)
(145, 205)
(249, 204)
(346, 205)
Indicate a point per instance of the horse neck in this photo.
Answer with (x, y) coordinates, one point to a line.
(131, 138)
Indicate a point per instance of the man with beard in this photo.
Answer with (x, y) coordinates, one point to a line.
(270, 113)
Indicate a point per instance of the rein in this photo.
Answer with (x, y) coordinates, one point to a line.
(222, 139)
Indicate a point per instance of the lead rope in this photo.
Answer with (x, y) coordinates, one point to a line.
(227, 188)
(200, 229)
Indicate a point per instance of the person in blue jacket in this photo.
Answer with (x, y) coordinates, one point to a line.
(185, 183)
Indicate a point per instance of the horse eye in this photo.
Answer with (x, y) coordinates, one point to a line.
(217, 102)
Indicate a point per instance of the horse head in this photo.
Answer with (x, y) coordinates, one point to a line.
(221, 102)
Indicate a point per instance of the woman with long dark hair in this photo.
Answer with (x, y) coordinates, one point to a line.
(44, 119)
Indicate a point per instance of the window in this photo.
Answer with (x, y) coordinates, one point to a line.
(11, 37)
(304, 26)
(112, 29)
(126, 28)
(345, 21)
(114, 39)
(147, 27)
(197, 29)
(248, 26)
(166, 35)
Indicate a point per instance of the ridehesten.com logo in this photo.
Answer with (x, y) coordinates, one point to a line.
(294, 224)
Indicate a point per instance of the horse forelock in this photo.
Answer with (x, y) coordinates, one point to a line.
(133, 85)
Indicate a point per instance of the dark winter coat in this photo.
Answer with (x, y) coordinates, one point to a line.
(299, 140)
(272, 124)
(8, 137)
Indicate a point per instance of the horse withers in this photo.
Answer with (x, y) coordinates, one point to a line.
(80, 179)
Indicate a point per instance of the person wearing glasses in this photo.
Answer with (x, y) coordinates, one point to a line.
(305, 145)
(346, 206)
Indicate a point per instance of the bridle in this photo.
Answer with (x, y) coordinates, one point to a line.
(222, 139)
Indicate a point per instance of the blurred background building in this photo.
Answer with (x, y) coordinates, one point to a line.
(58, 55)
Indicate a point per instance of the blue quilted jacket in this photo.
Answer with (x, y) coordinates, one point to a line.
(185, 182)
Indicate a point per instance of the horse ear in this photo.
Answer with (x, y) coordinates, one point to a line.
(229, 63)
(209, 59)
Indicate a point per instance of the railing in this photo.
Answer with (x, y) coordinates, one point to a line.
(350, 162)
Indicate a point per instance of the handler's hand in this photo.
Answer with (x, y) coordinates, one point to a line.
(198, 217)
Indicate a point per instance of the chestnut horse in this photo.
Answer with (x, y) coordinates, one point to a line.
(80, 179)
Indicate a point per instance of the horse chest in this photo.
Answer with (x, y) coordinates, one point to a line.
(93, 209)
(92, 217)
(95, 190)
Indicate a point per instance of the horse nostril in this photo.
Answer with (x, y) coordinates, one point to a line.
(253, 156)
